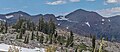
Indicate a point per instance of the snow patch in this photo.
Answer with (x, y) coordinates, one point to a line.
(87, 23)
(2, 20)
(62, 18)
(9, 16)
(5, 47)
(67, 27)
(109, 20)
(59, 24)
(21, 15)
(102, 23)
(103, 19)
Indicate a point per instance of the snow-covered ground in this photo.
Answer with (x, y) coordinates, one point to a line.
(5, 47)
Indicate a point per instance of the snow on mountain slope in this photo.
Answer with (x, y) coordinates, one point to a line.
(9, 16)
(2, 20)
(5, 47)
(62, 18)
(87, 23)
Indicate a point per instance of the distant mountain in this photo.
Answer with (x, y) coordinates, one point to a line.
(79, 21)
(88, 22)
(12, 17)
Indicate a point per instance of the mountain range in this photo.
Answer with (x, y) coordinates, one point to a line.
(80, 21)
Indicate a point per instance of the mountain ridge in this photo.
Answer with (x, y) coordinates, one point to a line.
(79, 21)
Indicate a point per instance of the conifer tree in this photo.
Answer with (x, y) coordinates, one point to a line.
(26, 40)
(1, 26)
(41, 39)
(71, 38)
(46, 28)
(19, 23)
(37, 36)
(68, 40)
(41, 24)
(22, 31)
(93, 42)
(6, 27)
(56, 34)
(50, 38)
(32, 36)
(52, 27)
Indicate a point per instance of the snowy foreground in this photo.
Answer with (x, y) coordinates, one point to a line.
(5, 47)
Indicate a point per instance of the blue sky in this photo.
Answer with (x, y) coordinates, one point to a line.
(60, 7)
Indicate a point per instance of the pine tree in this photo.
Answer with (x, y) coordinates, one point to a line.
(71, 38)
(6, 27)
(32, 37)
(50, 38)
(28, 24)
(41, 24)
(52, 27)
(93, 41)
(26, 40)
(17, 37)
(41, 39)
(68, 41)
(46, 28)
(19, 23)
(37, 36)
(22, 31)
(1, 26)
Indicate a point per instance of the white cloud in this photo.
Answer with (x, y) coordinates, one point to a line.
(109, 12)
(7, 8)
(56, 2)
(74, 0)
(112, 1)
(90, 0)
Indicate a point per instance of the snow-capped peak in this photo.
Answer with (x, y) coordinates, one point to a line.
(9, 16)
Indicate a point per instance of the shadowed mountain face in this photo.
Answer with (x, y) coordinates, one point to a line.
(80, 21)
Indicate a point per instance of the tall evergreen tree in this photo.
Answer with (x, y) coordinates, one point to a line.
(50, 38)
(52, 27)
(41, 24)
(26, 40)
(32, 36)
(71, 38)
(19, 23)
(41, 39)
(45, 28)
(1, 26)
(6, 27)
(22, 31)
(93, 42)
(37, 36)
